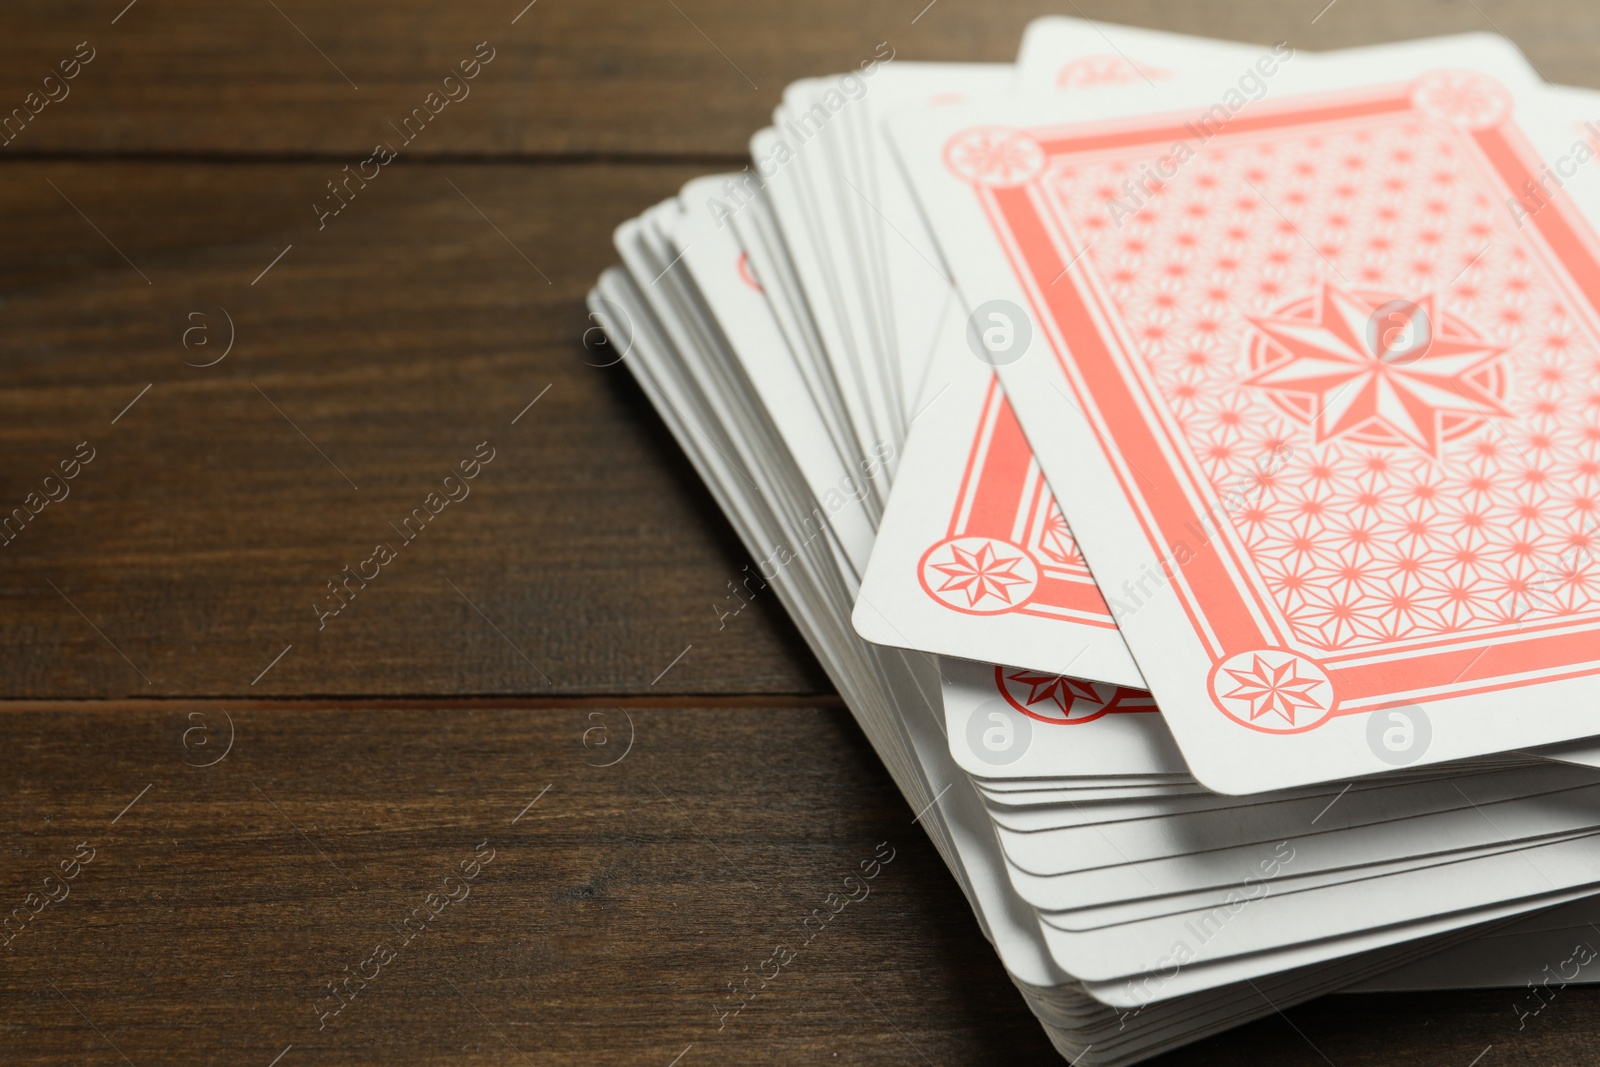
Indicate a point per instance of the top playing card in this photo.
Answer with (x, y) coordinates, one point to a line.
(1313, 373)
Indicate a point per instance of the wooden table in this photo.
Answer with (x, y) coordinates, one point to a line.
(252, 793)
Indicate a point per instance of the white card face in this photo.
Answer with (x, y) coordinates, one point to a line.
(1188, 850)
(914, 284)
(1268, 922)
(1200, 375)
(1312, 912)
(851, 233)
(788, 156)
(1083, 920)
(1007, 722)
(1072, 57)
(1524, 957)
(725, 279)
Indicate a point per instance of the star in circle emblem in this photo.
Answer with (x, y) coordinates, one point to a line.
(979, 575)
(1462, 98)
(1405, 382)
(1274, 690)
(994, 156)
(1064, 701)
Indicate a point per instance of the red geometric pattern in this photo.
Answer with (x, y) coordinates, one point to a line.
(994, 156)
(1339, 366)
(981, 574)
(1462, 98)
(1468, 505)
(1273, 690)
(1004, 504)
(1105, 69)
(1055, 541)
(1063, 701)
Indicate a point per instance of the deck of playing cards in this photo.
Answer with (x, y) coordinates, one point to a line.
(1184, 457)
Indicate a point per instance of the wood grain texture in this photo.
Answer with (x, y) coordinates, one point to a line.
(219, 905)
(369, 760)
(614, 913)
(378, 353)
(589, 76)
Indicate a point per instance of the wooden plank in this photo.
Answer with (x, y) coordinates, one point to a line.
(219, 905)
(369, 361)
(221, 900)
(603, 76)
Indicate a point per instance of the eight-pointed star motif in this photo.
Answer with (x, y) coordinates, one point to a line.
(980, 574)
(994, 155)
(1060, 690)
(1339, 360)
(1273, 690)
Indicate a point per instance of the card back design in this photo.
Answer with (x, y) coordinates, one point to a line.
(1008, 548)
(1108, 68)
(1346, 390)
(1063, 701)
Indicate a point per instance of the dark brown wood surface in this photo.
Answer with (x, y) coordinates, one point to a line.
(618, 77)
(373, 358)
(268, 797)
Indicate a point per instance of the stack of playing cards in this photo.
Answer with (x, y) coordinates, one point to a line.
(1233, 622)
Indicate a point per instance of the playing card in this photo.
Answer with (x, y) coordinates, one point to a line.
(1073, 56)
(973, 557)
(1088, 806)
(836, 507)
(1010, 722)
(1556, 946)
(1429, 899)
(874, 262)
(1318, 523)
